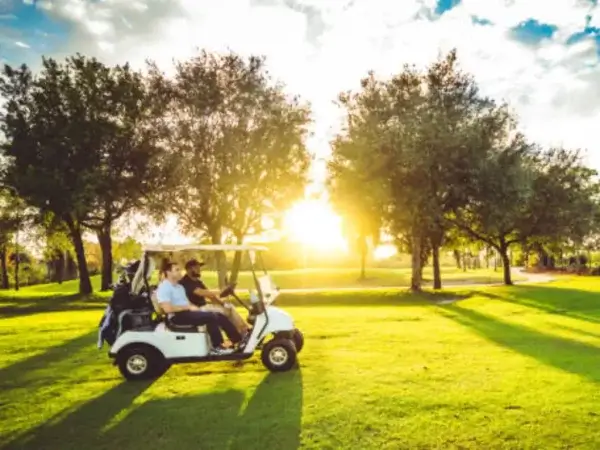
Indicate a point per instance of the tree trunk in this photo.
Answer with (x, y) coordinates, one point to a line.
(457, 258)
(59, 264)
(217, 238)
(3, 268)
(487, 257)
(17, 260)
(237, 261)
(464, 261)
(505, 264)
(85, 284)
(363, 257)
(437, 276)
(105, 241)
(416, 282)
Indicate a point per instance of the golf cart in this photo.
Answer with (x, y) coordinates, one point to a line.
(144, 349)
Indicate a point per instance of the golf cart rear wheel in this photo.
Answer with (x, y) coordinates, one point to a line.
(298, 338)
(279, 355)
(141, 362)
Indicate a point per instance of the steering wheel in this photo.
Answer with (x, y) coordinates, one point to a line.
(229, 290)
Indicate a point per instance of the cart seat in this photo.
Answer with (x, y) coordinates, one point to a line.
(169, 324)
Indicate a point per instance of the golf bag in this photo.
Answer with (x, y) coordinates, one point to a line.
(126, 310)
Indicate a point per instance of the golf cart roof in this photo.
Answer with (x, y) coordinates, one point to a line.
(202, 248)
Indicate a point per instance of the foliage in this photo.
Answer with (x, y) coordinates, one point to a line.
(129, 249)
(239, 142)
(419, 136)
(81, 138)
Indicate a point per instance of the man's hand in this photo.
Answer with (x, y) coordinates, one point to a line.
(194, 308)
(213, 295)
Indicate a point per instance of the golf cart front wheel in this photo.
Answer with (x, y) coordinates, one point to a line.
(298, 340)
(141, 362)
(279, 355)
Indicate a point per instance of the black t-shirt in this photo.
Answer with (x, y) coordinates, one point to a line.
(190, 285)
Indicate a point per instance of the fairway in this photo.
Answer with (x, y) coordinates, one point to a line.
(504, 368)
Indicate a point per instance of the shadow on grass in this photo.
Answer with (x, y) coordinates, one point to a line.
(81, 428)
(570, 356)
(576, 303)
(23, 306)
(371, 298)
(16, 374)
(271, 420)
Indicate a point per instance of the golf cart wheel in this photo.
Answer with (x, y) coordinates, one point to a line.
(141, 362)
(298, 338)
(279, 355)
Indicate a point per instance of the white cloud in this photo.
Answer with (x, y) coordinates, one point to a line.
(21, 44)
(321, 47)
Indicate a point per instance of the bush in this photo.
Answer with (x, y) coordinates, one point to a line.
(32, 273)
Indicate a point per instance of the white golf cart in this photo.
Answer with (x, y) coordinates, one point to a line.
(147, 352)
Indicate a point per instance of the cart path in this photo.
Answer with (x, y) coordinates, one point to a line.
(530, 278)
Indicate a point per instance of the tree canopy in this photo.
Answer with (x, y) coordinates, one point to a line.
(239, 141)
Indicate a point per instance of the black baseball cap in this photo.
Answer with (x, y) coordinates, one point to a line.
(193, 263)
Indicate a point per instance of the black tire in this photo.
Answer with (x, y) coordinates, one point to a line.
(279, 355)
(298, 338)
(141, 362)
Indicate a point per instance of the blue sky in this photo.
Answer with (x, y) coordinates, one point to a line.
(31, 26)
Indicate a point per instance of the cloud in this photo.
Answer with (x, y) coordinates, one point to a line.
(321, 47)
(21, 44)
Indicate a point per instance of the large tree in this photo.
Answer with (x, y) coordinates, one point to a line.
(240, 144)
(127, 122)
(431, 129)
(81, 145)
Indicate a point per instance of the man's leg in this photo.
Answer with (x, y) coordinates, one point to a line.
(199, 318)
(230, 330)
(232, 314)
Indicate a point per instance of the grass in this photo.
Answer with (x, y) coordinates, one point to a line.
(504, 368)
(311, 278)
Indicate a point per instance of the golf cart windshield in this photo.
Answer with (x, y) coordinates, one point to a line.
(264, 285)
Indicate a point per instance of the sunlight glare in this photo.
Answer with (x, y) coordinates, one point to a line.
(313, 223)
(384, 251)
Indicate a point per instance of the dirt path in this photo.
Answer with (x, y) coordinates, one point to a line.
(530, 278)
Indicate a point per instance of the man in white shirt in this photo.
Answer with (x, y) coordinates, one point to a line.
(174, 302)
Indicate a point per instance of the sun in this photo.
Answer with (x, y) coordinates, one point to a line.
(313, 223)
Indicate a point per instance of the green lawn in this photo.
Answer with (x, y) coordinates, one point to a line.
(315, 278)
(504, 368)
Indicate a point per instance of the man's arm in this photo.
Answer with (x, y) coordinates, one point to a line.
(168, 308)
(211, 295)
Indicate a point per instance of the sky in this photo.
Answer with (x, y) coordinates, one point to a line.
(540, 56)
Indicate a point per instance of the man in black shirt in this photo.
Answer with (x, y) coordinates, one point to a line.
(198, 293)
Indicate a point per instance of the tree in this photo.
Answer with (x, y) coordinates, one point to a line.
(46, 143)
(239, 141)
(126, 122)
(500, 191)
(430, 128)
(564, 204)
(81, 143)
